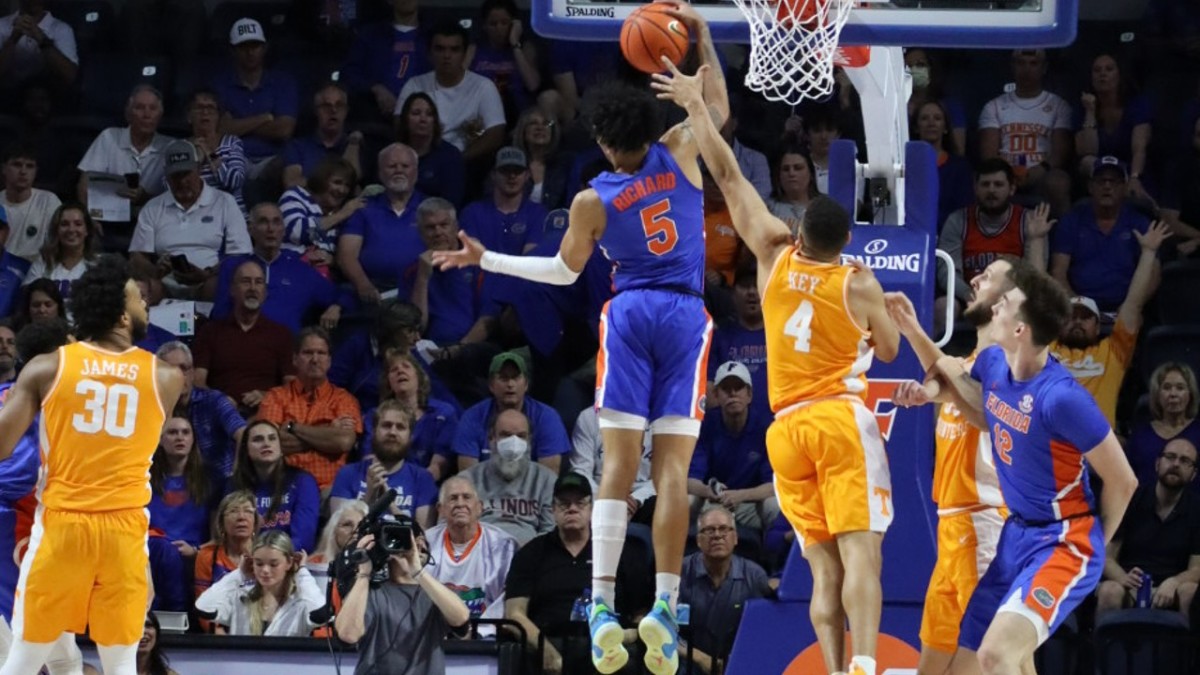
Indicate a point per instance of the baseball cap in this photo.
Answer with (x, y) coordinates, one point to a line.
(572, 482)
(732, 369)
(181, 156)
(246, 30)
(499, 361)
(1110, 163)
(1087, 303)
(510, 156)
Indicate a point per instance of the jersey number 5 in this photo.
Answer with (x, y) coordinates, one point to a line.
(661, 235)
(799, 327)
(111, 409)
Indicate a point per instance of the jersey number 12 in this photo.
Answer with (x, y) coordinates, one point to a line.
(110, 409)
(799, 327)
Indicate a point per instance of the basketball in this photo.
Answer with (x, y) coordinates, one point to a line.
(648, 34)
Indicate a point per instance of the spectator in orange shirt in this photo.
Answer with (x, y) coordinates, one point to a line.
(233, 529)
(722, 250)
(1099, 364)
(318, 420)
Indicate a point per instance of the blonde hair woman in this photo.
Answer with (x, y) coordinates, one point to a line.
(271, 593)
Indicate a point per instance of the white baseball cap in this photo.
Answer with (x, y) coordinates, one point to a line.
(732, 369)
(1087, 303)
(246, 30)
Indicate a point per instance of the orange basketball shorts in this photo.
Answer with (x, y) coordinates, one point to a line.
(831, 471)
(81, 570)
(966, 546)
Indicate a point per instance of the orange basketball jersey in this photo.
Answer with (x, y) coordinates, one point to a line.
(964, 476)
(101, 422)
(815, 348)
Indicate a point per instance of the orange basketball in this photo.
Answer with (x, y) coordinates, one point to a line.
(649, 33)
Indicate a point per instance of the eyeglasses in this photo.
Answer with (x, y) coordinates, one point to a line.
(716, 531)
(1186, 462)
(565, 504)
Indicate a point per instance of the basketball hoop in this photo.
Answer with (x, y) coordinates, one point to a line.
(794, 47)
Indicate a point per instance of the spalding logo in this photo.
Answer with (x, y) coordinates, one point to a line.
(875, 247)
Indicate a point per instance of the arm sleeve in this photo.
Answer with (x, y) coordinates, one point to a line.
(142, 240)
(228, 416)
(93, 159)
(305, 512)
(310, 595)
(1062, 115)
(979, 368)
(219, 599)
(64, 41)
(232, 174)
(298, 222)
(988, 119)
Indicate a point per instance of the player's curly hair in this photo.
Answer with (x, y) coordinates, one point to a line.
(98, 297)
(623, 117)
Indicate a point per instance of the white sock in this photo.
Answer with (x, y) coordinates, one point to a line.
(669, 584)
(609, 518)
(865, 662)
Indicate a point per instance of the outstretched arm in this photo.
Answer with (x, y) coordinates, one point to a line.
(715, 94)
(1146, 275)
(21, 405)
(763, 233)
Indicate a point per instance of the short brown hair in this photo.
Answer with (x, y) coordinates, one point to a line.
(1047, 305)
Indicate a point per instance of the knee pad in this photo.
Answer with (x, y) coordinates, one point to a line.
(676, 425)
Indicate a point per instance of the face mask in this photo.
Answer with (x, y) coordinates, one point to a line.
(920, 76)
(512, 448)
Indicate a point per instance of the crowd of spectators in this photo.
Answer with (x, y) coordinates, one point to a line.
(292, 171)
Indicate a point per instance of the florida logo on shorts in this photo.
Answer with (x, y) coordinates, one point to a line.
(1026, 404)
(1043, 597)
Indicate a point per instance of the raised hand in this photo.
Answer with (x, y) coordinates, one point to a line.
(1039, 223)
(1089, 102)
(470, 254)
(684, 12)
(679, 88)
(1155, 235)
(902, 313)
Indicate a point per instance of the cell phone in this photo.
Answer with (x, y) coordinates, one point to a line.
(180, 263)
(132, 180)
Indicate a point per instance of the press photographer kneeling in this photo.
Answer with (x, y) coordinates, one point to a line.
(398, 620)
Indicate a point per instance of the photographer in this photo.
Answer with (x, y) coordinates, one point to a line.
(399, 624)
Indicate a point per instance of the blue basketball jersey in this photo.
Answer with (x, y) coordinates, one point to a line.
(1040, 429)
(654, 232)
(19, 473)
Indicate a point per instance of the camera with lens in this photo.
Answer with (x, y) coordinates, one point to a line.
(393, 535)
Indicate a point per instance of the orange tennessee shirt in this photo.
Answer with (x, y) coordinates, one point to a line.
(101, 422)
(964, 476)
(1101, 367)
(815, 348)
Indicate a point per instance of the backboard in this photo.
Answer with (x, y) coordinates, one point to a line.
(910, 23)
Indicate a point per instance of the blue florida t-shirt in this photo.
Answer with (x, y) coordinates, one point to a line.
(1040, 430)
(414, 485)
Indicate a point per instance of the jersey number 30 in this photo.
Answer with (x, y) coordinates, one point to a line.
(799, 327)
(661, 235)
(109, 409)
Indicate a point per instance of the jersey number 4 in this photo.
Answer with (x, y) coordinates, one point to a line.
(112, 410)
(799, 327)
(661, 235)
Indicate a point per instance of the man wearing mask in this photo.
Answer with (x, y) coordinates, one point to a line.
(516, 492)
(369, 478)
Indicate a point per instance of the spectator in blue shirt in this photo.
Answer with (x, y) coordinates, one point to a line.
(716, 583)
(406, 381)
(181, 490)
(742, 339)
(730, 466)
(378, 248)
(260, 105)
(456, 304)
(301, 156)
(507, 221)
(1093, 250)
(384, 56)
(508, 382)
(500, 55)
(216, 424)
(287, 499)
(295, 291)
(443, 171)
(368, 479)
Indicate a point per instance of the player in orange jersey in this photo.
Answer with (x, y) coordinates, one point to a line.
(966, 488)
(103, 403)
(825, 321)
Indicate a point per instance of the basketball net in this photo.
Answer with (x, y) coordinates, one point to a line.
(794, 47)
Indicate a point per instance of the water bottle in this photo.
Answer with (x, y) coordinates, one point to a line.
(683, 614)
(1144, 593)
(580, 609)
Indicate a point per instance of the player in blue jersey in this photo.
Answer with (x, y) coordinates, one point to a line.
(1043, 425)
(647, 217)
(18, 478)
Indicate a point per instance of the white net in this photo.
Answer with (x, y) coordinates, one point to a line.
(793, 44)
